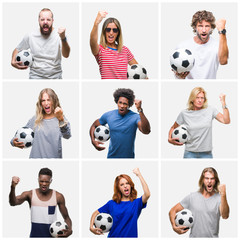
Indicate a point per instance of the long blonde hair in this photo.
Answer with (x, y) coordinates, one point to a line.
(39, 109)
(193, 96)
(119, 39)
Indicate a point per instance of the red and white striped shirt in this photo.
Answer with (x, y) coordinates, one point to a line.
(113, 64)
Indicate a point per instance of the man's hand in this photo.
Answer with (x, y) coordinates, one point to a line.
(66, 233)
(58, 112)
(61, 32)
(18, 144)
(18, 65)
(220, 24)
(97, 144)
(138, 104)
(222, 189)
(182, 75)
(15, 181)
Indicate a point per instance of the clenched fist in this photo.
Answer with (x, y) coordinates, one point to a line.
(58, 112)
(15, 181)
(222, 189)
(61, 32)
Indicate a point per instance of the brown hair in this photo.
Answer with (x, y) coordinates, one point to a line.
(117, 196)
(199, 16)
(214, 172)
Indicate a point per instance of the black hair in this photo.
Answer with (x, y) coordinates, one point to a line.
(124, 92)
(45, 171)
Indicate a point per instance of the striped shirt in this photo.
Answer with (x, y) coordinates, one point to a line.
(113, 64)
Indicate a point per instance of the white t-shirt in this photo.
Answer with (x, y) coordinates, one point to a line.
(199, 128)
(46, 53)
(206, 58)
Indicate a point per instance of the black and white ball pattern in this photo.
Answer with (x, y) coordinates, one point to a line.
(184, 218)
(25, 57)
(102, 133)
(25, 135)
(57, 227)
(136, 71)
(104, 221)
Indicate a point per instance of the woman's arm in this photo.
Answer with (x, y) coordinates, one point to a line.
(94, 33)
(146, 194)
(97, 231)
(225, 116)
(173, 140)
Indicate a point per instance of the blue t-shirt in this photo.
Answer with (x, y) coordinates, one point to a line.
(122, 133)
(125, 216)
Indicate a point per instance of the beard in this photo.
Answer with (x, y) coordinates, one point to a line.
(207, 38)
(46, 33)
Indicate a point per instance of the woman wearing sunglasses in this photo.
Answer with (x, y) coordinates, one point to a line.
(112, 57)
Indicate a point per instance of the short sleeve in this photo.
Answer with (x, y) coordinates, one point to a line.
(185, 202)
(103, 119)
(105, 208)
(24, 44)
(180, 119)
(129, 55)
(99, 54)
(138, 119)
(214, 112)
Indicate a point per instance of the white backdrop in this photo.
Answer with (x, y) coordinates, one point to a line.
(20, 100)
(139, 23)
(26, 15)
(176, 27)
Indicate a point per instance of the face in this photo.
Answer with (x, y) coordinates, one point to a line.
(47, 104)
(122, 105)
(203, 30)
(45, 22)
(111, 36)
(209, 182)
(199, 101)
(124, 187)
(44, 183)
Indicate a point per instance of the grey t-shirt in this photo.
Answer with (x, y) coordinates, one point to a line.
(47, 141)
(206, 214)
(199, 127)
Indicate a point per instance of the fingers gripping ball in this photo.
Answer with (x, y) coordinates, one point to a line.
(25, 57)
(25, 135)
(103, 221)
(57, 227)
(182, 60)
(136, 71)
(180, 133)
(184, 218)
(102, 133)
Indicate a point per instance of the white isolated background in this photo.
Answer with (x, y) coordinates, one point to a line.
(97, 184)
(174, 99)
(176, 27)
(97, 98)
(22, 18)
(139, 23)
(181, 178)
(19, 106)
(17, 220)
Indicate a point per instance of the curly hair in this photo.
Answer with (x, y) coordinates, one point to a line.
(200, 16)
(45, 171)
(193, 96)
(124, 92)
(39, 109)
(117, 196)
(119, 39)
(217, 181)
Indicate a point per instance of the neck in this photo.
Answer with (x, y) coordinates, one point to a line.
(207, 194)
(124, 199)
(199, 41)
(112, 45)
(48, 116)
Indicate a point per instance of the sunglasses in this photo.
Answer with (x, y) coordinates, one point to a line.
(115, 30)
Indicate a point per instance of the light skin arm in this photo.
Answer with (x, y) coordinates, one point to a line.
(173, 140)
(15, 63)
(223, 47)
(96, 231)
(143, 124)
(225, 116)
(65, 45)
(172, 213)
(182, 75)
(224, 208)
(133, 61)
(146, 191)
(63, 210)
(18, 200)
(95, 143)
(94, 33)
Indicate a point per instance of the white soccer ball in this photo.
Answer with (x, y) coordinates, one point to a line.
(136, 71)
(57, 227)
(184, 218)
(182, 60)
(25, 57)
(102, 133)
(25, 135)
(180, 133)
(104, 221)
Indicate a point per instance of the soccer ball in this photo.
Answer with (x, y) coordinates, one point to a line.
(57, 227)
(25, 135)
(102, 133)
(25, 57)
(136, 71)
(180, 133)
(184, 218)
(182, 60)
(104, 221)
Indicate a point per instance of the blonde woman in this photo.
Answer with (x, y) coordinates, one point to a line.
(198, 120)
(111, 55)
(49, 126)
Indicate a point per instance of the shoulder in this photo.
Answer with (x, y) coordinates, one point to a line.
(60, 197)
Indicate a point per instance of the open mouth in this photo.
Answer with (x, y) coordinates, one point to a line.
(126, 191)
(47, 109)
